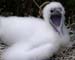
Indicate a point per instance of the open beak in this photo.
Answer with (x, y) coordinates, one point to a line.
(56, 18)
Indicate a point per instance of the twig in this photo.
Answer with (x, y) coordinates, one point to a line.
(36, 4)
(44, 4)
(40, 6)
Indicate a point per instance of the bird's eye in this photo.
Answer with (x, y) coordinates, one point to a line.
(52, 11)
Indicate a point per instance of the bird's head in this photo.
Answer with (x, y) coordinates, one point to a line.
(54, 13)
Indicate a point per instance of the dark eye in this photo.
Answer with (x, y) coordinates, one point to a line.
(52, 11)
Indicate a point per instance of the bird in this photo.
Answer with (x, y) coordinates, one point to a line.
(32, 38)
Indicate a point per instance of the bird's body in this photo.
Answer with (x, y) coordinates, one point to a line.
(30, 33)
(17, 29)
(31, 38)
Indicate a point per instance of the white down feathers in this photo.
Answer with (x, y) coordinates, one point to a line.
(31, 38)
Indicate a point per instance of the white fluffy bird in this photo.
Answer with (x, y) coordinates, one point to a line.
(31, 38)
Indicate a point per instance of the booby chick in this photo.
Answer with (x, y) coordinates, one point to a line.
(31, 38)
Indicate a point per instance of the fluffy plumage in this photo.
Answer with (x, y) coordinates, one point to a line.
(32, 38)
